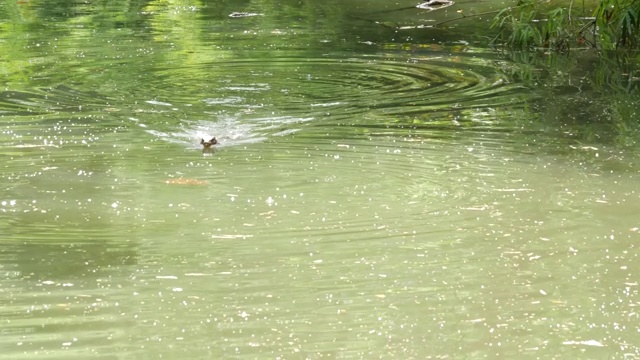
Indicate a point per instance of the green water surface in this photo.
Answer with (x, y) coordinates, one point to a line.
(376, 194)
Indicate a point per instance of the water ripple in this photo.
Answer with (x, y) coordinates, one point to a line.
(356, 85)
(239, 97)
(247, 101)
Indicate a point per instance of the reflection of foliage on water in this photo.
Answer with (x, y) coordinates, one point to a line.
(613, 121)
(590, 95)
(593, 93)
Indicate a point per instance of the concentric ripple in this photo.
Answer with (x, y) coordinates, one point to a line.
(250, 100)
(358, 85)
(289, 94)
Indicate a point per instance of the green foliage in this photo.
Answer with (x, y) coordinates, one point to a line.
(530, 24)
(516, 27)
(516, 30)
(536, 24)
(618, 23)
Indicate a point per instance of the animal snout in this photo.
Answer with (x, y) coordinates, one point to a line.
(207, 143)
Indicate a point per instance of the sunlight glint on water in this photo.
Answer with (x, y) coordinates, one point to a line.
(375, 204)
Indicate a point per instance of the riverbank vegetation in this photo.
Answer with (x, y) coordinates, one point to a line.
(614, 24)
(592, 52)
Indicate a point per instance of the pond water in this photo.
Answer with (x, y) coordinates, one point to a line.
(367, 199)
